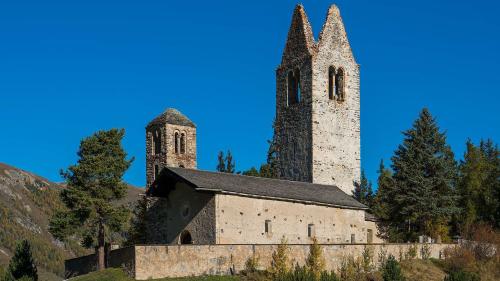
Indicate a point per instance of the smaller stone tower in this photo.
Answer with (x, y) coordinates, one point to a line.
(170, 142)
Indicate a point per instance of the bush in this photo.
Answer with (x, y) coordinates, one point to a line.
(252, 264)
(279, 263)
(22, 265)
(302, 273)
(426, 251)
(315, 262)
(351, 269)
(411, 254)
(382, 258)
(462, 276)
(367, 256)
(392, 270)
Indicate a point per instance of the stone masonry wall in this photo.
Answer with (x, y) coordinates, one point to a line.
(167, 156)
(183, 209)
(194, 260)
(242, 219)
(318, 139)
(336, 124)
(293, 122)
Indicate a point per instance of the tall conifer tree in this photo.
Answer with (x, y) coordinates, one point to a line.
(425, 173)
(221, 162)
(94, 184)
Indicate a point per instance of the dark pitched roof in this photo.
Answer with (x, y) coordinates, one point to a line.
(173, 116)
(303, 192)
(370, 217)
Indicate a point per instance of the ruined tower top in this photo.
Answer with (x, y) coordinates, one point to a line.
(317, 125)
(170, 142)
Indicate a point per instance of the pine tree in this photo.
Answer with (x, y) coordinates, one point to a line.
(384, 202)
(138, 228)
(252, 172)
(392, 270)
(94, 184)
(230, 166)
(479, 185)
(22, 264)
(425, 173)
(490, 211)
(363, 191)
(221, 164)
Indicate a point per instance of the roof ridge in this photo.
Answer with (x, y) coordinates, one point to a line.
(260, 178)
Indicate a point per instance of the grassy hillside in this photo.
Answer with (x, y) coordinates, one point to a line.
(27, 202)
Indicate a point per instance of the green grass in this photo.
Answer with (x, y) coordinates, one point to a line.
(111, 274)
(115, 274)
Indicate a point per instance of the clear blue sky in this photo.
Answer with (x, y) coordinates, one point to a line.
(69, 68)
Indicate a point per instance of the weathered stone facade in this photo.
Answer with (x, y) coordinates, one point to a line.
(182, 211)
(242, 219)
(144, 262)
(170, 142)
(318, 137)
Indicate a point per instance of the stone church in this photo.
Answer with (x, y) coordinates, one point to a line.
(317, 132)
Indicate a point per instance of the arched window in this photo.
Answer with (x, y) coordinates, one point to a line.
(297, 85)
(185, 238)
(339, 82)
(183, 143)
(331, 83)
(176, 142)
(290, 89)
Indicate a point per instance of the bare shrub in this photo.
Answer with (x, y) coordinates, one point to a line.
(252, 264)
(426, 251)
(411, 254)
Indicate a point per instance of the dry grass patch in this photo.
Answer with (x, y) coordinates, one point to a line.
(418, 270)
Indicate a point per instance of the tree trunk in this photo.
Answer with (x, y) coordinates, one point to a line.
(100, 248)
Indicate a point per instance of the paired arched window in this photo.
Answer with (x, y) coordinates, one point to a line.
(293, 87)
(336, 80)
(180, 143)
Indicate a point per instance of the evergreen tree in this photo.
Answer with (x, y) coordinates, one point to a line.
(230, 166)
(137, 232)
(363, 191)
(22, 265)
(425, 173)
(252, 172)
(221, 162)
(490, 211)
(479, 185)
(94, 185)
(384, 201)
(392, 270)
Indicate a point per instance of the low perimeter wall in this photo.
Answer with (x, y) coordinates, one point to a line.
(152, 262)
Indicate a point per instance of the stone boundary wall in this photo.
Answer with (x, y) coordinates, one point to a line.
(80, 265)
(119, 258)
(159, 261)
(152, 262)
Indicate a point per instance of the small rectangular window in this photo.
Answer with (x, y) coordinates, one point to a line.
(268, 227)
(369, 236)
(156, 171)
(353, 239)
(310, 231)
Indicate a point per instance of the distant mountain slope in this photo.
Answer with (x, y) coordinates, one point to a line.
(27, 202)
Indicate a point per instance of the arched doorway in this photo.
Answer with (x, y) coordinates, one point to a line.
(186, 238)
